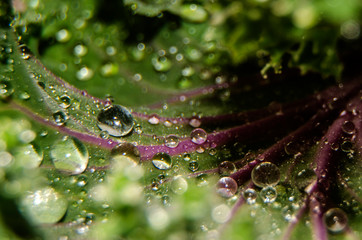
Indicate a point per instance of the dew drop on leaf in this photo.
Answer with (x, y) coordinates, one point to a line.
(198, 136)
(44, 205)
(5, 89)
(116, 120)
(348, 127)
(250, 195)
(154, 119)
(24, 95)
(65, 101)
(193, 166)
(226, 187)
(171, 141)
(161, 64)
(265, 174)
(268, 194)
(221, 213)
(162, 161)
(125, 151)
(226, 168)
(187, 157)
(25, 52)
(179, 185)
(69, 155)
(195, 122)
(335, 219)
(60, 118)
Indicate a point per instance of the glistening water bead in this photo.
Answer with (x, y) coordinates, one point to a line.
(226, 187)
(265, 174)
(116, 120)
(162, 161)
(198, 136)
(336, 220)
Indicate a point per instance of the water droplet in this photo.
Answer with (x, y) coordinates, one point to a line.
(5, 89)
(193, 166)
(226, 187)
(198, 136)
(80, 50)
(65, 101)
(195, 122)
(154, 119)
(116, 120)
(250, 195)
(69, 156)
(44, 205)
(348, 127)
(268, 194)
(60, 118)
(158, 218)
(221, 213)
(304, 178)
(265, 174)
(161, 64)
(347, 146)
(335, 219)
(62, 35)
(184, 83)
(226, 168)
(187, 157)
(109, 69)
(126, 151)
(179, 185)
(25, 52)
(193, 13)
(84, 74)
(171, 141)
(162, 161)
(5, 159)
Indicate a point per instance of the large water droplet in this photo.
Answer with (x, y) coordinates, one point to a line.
(179, 185)
(250, 195)
(268, 194)
(336, 220)
(44, 206)
(60, 118)
(226, 187)
(198, 136)
(126, 151)
(162, 161)
(171, 141)
(221, 213)
(265, 174)
(70, 156)
(116, 120)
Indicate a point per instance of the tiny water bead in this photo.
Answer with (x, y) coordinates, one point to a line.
(69, 155)
(28, 156)
(250, 195)
(335, 219)
(268, 194)
(226, 187)
(265, 174)
(6, 89)
(60, 118)
(44, 206)
(348, 127)
(162, 161)
(172, 141)
(198, 136)
(125, 151)
(116, 120)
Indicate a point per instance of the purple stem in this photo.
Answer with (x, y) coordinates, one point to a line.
(95, 140)
(316, 213)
